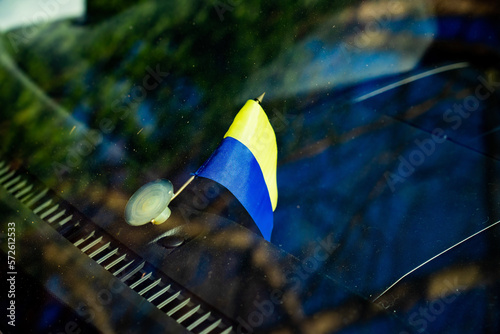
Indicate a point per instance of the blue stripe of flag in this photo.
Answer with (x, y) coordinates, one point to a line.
(233, 165)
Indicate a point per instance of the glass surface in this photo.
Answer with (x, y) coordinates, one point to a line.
(386, 114)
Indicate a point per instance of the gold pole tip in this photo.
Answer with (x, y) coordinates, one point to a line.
(259, 99)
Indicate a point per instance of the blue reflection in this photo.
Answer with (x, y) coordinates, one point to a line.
(344, 189)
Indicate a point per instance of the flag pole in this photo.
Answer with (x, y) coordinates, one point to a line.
(259, 99)
(183, 187)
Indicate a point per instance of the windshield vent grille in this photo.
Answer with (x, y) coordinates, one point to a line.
(157, 288)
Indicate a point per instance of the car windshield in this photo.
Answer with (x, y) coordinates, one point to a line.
(386, 119)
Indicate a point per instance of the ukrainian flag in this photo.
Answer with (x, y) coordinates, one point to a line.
(245, 163)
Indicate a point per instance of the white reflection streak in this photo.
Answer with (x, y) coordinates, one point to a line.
(487, 133)
(411, 79)
(435, 256)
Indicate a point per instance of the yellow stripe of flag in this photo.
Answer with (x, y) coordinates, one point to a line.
(252, 128)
